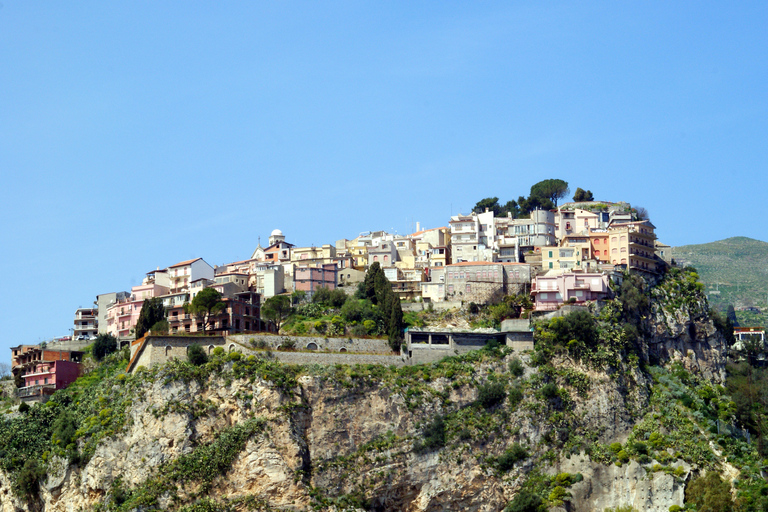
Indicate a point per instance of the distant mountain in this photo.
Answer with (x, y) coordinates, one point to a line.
(734, 270)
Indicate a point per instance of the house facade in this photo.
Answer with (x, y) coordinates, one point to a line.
(86, 323)
(310, 278)
(550, 292)
(43, 378)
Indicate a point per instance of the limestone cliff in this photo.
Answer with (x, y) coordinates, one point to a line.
(468, 433)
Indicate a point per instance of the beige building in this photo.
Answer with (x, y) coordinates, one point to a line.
(634, 244)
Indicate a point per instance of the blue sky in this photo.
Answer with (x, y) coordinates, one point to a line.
(136, 134)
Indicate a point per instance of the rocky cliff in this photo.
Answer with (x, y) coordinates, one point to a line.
(468, 433)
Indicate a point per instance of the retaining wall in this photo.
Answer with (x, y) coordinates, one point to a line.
(272, 341)
(336, 358)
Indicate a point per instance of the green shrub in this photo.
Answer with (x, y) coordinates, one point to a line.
(218, 351)
(104, 345)
(433, 436)
(623, 456)
(29, 478)
(516, 367)
(525, 501)
(23, 407)
(512, 456)
(675, 508)
(515, 396)
(370, 326)
(549, 391)
(615, 447)
(321, 326)
(196, 355)
(491, 394)
(261, 343)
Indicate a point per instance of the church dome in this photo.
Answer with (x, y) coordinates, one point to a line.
(276, 232)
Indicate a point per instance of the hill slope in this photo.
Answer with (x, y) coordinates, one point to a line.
(734, 270)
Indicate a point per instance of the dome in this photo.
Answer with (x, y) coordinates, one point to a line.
(276, 232)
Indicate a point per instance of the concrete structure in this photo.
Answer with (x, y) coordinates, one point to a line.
(103, 302)
(536, 231)
(385, 254)
(242, 312)
(183, 273)
(743, 334)
(551, 291)
(123, 314)
(426, 346)
(310, 278)
(632, 244)
(481, 282)
(86, 323)
(43, 378)
(31, 359)
(313, 255)
(472, 237)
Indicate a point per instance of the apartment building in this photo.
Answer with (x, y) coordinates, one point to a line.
(551, 291)
(86, 323)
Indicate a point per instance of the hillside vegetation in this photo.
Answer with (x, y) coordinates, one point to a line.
(734, 271)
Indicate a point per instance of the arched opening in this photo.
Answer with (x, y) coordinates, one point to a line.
(312, 346)
(231, 347)
(168, 351)
(210, 349)
(342, 349)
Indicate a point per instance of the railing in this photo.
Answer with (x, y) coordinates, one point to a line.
(34, 390)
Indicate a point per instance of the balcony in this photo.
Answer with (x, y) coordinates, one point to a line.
(36, 391)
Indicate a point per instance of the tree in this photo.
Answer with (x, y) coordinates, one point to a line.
(152, 312)
(709, 493)
(641, 213)
(205, 306)
(583, 195)
(731, 315)
(512, 208)
(552, 189)
(276, 309)
(104, 345)
(370, 281)
(5, 371)
(395, 331)
(196, 355)
(491, 203)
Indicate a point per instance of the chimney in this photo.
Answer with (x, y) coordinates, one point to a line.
(418, 226)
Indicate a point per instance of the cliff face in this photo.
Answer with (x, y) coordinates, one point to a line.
(680, 329)
(250, 434)
(346, 441)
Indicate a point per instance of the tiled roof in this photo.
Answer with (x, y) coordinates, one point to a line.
(188, 262)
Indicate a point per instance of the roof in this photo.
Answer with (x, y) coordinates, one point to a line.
(425, 230)
(183, 263)
(468, 263)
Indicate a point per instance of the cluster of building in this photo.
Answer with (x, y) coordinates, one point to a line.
(564, 255)
(558, 256)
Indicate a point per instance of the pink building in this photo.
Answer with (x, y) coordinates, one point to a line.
(310, 278)
(45, 377)
(550, 292)
(123, 314)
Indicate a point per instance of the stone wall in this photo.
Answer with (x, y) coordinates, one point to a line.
(160, 349)
(336, 358)
(273, 342)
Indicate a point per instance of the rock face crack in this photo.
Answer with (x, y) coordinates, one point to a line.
(301, 424)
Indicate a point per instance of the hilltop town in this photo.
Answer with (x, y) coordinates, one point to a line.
(550, 254)
(553, 353)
